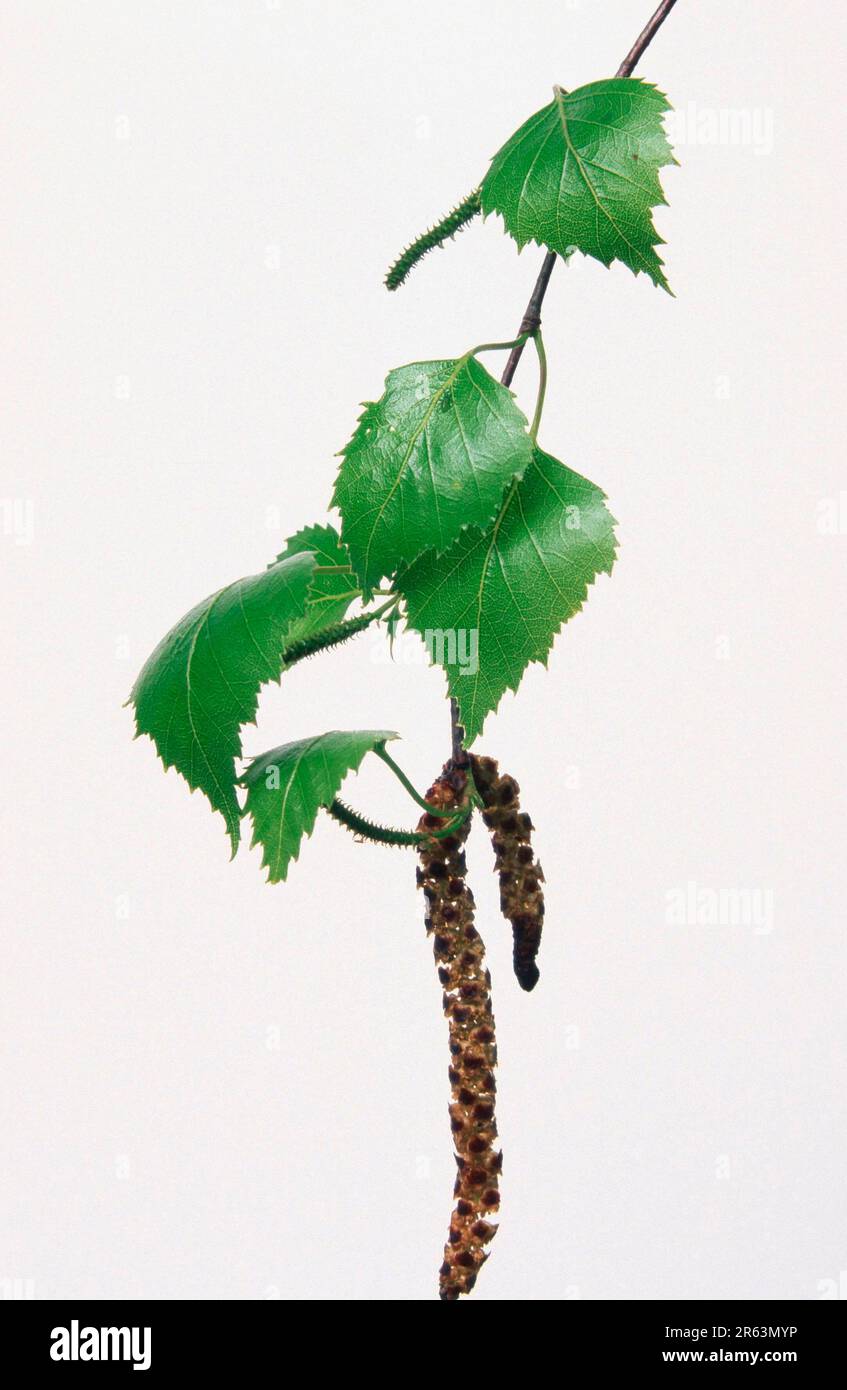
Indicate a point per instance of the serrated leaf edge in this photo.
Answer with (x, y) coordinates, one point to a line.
(233, 828)
(367, 591)
(389, 736)
(512, 687)
(659, 279)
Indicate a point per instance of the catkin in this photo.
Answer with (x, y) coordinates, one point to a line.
(328, 637)
(521, 877)
(455, 220)
(460, 959)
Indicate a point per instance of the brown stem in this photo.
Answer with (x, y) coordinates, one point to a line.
(532, 317)
(532, 314)
(460, 757)
(458, 947)
(645, 38)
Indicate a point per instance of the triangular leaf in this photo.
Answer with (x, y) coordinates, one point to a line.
(584, 172)
(495, 602)
(432, 456)
(287, 787)
(330, 594)
(203, 680)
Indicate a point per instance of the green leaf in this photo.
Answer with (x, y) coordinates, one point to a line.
(584, 173)
(432, 456)
(287, 787)
(203, 680)
(496, 601)
(330, 595)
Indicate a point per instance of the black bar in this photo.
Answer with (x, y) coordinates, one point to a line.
(192, 1338)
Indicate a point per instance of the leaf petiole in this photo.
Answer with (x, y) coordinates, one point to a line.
(334, 598)
(497, 347)
(445, 830)
(382, 752)
(542, 384)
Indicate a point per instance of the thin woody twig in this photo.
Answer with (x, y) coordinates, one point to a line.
(459, 755)
(532, 315)
(458, 948)
(645, 38)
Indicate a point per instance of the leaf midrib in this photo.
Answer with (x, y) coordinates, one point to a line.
(310, 743)
(559, 100)
(416, 434)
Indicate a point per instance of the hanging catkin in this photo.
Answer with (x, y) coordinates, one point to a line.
(467, 210)
(460, 958)
(521, 894)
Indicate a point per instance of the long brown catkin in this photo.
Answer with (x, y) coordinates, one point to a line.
(460, 958)
(521, 877)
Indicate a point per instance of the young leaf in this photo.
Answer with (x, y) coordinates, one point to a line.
(202, 681)
(433, 455)
(584, 172)
(287, 787)
(495, 602)
(330, 594)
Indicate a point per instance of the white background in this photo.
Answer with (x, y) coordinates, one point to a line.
(216, 1088)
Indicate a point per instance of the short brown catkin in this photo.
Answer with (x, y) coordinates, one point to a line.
(460, 958)
(521, 893)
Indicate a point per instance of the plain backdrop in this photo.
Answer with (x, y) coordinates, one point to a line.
(216, 1088)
